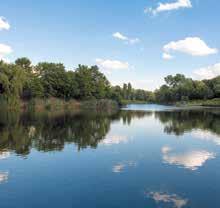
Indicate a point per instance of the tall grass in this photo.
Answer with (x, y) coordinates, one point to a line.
(100, 105)
(50, 104)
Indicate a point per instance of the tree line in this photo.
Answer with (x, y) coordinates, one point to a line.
(181, 88)
(22, 80)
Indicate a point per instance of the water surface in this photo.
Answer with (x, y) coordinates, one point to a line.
(132, 158)
(149, 107)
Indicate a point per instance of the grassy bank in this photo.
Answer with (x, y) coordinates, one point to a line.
(209, 103)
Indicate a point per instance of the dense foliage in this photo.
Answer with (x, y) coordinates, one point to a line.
(22, 80)
(180, 88)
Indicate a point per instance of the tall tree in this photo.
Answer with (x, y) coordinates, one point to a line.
(12, 79)
(125, 91)
(24, 63)
(129, 91)
(91, 82)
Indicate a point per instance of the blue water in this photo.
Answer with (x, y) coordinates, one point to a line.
(149, 107)
(152, 159)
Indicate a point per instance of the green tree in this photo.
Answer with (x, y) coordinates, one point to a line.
(54, 79)
(24, 63)
(174, 81)
(129, 91)
(71, 88)
(91, 82)
(201, 90)
(125, 91)
(12, 79)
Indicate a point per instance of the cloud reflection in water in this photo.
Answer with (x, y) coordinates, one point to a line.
(206, 136)
(190, 160)
(118, 168)
(171, 199)
(3, 177)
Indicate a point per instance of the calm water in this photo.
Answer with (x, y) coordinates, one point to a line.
(144, 159)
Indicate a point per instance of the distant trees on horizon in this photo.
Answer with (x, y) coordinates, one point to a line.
(22, 80)
(181, 88)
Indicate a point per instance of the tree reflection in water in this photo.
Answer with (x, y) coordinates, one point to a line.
(51, 131)
(182, 121)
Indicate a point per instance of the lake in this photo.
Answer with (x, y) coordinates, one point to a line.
(144, 156)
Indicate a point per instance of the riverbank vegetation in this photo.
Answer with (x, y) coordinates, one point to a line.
(182, 90)
(50, 86)
(215, 102)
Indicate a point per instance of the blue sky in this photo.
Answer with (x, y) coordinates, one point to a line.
(137, 41)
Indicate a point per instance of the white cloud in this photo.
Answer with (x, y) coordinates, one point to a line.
(167, 56)
(191, 45)
(4, 49)
(119, 36)
(208, 72)
(160, 197)
(127, 40)
(162, 7)
(190, 160)
(112, 64)
(4, 25)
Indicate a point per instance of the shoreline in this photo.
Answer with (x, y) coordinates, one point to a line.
(54, 104)
(202, 103)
